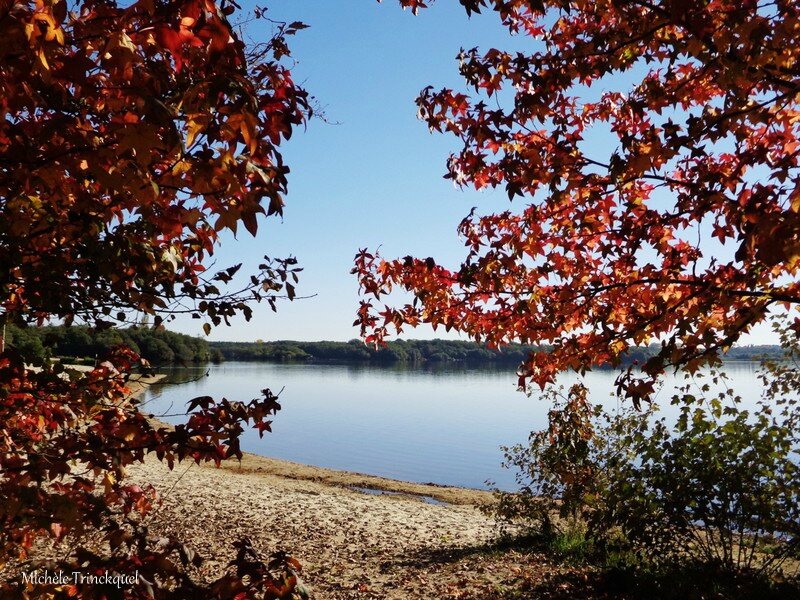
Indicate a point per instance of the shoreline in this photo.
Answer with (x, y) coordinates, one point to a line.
(257, 465)
(265, 466)
(138, 384)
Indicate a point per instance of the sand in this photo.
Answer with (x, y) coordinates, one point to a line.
(351, 543)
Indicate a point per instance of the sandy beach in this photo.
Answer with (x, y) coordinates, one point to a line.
(351, 543)
(419, 541)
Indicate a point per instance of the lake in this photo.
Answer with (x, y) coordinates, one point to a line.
(443, 426)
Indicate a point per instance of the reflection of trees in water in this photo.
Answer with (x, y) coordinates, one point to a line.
(456, 368)
(177, 376)
(427, 368)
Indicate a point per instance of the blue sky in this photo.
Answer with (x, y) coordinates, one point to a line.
(370, 174)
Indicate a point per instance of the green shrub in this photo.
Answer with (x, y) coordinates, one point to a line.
(717, 486)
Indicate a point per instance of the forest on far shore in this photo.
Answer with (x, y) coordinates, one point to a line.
(422, 351)
(82, 345)
(162, 347)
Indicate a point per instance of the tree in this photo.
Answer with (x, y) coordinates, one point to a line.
(157, 351)
(679, 225)
(131, 135)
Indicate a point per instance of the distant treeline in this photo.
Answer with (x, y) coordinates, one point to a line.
(417, 352)
(162, 347)
(400, 351)
(82, 344)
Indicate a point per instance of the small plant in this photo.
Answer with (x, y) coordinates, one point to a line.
(556, 470)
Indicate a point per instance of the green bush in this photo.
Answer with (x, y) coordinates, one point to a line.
(717, 486)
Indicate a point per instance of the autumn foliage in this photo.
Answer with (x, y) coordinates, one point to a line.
(131, 136)
(655, 146)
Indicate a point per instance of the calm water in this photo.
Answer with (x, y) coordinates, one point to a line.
(443, 426)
